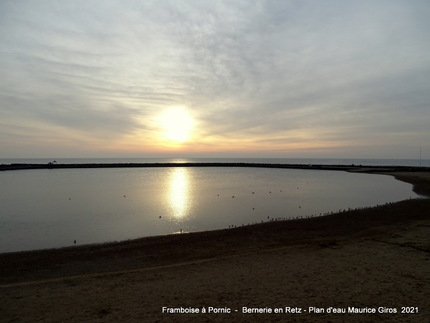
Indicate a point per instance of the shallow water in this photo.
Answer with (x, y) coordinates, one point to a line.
(52, 208)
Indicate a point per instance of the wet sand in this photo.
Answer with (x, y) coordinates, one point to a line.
(376, 258)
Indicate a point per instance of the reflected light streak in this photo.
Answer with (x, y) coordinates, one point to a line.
(179, 192)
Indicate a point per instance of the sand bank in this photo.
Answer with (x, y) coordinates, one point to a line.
(375, 258)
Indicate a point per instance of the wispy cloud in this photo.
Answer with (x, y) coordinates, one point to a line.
(274, 73)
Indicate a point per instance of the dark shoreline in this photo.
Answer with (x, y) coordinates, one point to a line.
(323, 231)
(350, 168)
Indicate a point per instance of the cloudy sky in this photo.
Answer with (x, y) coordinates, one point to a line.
(210, 78)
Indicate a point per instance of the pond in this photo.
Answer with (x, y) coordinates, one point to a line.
(53, 208)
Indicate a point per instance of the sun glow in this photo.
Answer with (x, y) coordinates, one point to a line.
(176, 124)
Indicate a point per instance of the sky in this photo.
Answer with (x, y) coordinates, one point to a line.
(332, 79)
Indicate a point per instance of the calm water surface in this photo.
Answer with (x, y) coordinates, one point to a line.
(52, 208)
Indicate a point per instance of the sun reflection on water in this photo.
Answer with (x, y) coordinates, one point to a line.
(179, 192)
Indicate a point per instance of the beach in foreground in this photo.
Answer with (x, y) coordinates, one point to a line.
(367, 260)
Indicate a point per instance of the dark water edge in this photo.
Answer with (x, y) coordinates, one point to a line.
(351, 168)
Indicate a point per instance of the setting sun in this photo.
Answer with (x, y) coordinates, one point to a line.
(176, 124)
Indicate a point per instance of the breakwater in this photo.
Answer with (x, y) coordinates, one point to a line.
(351, 168)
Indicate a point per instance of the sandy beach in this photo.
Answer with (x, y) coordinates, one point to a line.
(375, 261)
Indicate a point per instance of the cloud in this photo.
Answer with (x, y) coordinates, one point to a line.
(276, 72)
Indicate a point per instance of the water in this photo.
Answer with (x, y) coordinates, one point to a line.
(52, 208)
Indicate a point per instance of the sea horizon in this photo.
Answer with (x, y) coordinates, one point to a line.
(275, 160)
